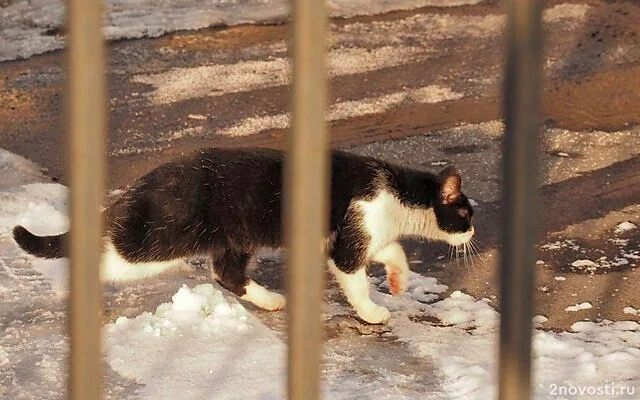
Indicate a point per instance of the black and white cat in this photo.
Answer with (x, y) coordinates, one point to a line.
(226, 203)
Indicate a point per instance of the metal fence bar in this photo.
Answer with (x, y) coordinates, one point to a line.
(86, 104)
(519, 203)
(306, 199)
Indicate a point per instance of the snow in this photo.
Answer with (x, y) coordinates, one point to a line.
(463, 344)
(583, 263)
(204, 342)
(603, 263)
(624, 227)
(197, 117)
(560, 278)
(538, 320)
(578, 307)
(29, 26)
(212, 341)
(625, 257)
(631, 310)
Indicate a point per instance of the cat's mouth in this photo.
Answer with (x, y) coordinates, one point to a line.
(457, 239)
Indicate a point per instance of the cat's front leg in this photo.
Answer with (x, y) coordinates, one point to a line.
(395, 264)
(355, 286)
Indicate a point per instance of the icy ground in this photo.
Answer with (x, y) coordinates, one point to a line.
(203, 344)
(32, 27)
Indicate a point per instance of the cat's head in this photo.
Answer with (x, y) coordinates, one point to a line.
(452, 209)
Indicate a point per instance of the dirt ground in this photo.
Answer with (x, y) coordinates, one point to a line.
(590, 155)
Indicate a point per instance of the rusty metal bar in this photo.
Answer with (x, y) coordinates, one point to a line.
(306, 193)
(86, 113)
(519, 195)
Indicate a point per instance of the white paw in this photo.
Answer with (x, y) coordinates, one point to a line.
(275, 301)
(263, 298)
(375, 314)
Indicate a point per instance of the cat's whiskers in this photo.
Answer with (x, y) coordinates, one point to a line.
(475, 252)
(466, 251)
(471, 255)
(464, 254)
(475, 247)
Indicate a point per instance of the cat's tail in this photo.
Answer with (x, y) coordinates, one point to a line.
(41, 246)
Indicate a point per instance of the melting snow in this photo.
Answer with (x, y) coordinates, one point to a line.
(214, 346)
(584, 263)
(631, 310)
(204, 344)
(29, 26)
(538, 320)
(578, 307)
(624, 227)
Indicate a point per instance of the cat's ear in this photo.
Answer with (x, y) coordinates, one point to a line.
(450, 185)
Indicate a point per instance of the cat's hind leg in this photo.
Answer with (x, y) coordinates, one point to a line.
(229, 269)
(355, 286)
(395, 264)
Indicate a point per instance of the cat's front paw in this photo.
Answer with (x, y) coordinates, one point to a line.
(375, 314)
(397, 281)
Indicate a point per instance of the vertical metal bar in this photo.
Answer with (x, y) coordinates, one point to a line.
(519, 197)
(86, 164)
(306, 199)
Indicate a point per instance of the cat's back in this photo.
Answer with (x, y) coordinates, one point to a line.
(215, 167)
(241, 165)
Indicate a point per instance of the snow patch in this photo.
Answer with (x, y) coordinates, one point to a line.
(465, 348)
(30, 27)
(632, 255)
(578, 307)
(16, 170)
(584, 263)
(214, 346)
(624, 227)
(198, 117)
(538, 320)
(571, 244)
(631, 310)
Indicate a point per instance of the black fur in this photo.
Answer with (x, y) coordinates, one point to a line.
(41, 246)
(227, 203)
